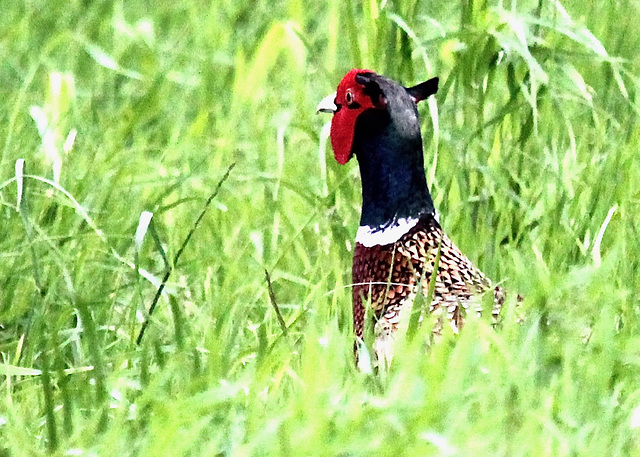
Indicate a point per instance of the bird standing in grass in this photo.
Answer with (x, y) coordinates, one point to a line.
(399, 241)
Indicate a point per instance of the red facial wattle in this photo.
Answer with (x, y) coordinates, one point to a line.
(349, 94)
(342, 136)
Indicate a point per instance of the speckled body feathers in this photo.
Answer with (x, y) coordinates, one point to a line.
(386, 277)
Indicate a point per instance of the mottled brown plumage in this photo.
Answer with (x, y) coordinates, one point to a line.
(386, 276)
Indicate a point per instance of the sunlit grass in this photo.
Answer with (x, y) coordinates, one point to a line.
(118, 109)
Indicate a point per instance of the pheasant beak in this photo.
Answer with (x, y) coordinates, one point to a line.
(327, 105)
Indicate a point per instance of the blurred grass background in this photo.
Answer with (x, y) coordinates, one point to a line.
(123, 107)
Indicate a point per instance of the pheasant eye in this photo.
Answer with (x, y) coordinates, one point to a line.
(349, 98)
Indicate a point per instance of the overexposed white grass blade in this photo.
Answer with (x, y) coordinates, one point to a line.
(365, 364)
(47, 136)
(19, 182)
(104, 59)
(13, 370)
(67, 146)
(595, 251)
(635, 418)
(141, 230)
(440, 442)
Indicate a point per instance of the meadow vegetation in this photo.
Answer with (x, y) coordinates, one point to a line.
(112, 110)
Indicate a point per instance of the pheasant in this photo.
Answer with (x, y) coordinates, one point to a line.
(399, 240)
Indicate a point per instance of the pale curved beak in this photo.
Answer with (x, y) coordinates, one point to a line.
(327, 105)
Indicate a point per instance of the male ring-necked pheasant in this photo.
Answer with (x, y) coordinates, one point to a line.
(376, 119)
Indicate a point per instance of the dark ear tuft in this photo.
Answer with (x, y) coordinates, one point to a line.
(364, 78)
(423, 90)
(372, 89)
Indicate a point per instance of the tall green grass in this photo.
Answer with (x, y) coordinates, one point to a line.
(118, 108)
